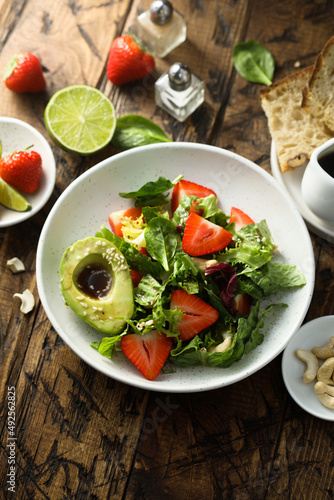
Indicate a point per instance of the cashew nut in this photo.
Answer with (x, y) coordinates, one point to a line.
(325, 394)
(27, 299)
(223, 346)
(312, 364)
(15, 265)
(204, 263)
(325, 372)
(325, 352)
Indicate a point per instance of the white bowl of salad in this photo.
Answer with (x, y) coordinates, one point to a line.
(175, 267)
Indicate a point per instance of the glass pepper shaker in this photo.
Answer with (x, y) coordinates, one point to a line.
(161, 28)
(179, 91)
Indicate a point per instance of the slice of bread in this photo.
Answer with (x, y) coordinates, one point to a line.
(318, 93)
(295, 132)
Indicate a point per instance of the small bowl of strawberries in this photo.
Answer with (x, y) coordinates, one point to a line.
(27, 171)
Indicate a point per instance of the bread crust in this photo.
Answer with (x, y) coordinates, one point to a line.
(321, 76)
(295, 132)
(288, 79)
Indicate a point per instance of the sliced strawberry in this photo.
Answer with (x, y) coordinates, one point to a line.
(202, 237)
(240, 218)
(116, 219)
(242, 303)
(197, 314)
(190, 188)
(148, 352)
(135, 275)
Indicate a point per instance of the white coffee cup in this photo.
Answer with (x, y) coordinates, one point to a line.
(317, 184)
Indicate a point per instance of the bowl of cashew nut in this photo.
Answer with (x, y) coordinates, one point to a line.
(308, 367)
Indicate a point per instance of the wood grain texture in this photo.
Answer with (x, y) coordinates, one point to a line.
(80, 434)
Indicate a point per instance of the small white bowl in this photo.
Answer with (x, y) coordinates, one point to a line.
(16, 135)
(314, 333)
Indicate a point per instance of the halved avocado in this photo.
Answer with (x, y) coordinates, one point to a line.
(96, 284)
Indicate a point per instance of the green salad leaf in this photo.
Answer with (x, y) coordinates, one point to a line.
(107, 346)
(135, 130)
(162, 240)
(151, 193)
(254, 62)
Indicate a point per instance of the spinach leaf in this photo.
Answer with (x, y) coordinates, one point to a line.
(162, 240)
(152, 188)
(254, 62)
(134, 130)
(136, 260)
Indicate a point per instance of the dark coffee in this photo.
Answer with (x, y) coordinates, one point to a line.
(327, 163)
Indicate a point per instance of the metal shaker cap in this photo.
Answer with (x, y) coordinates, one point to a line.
(161, 12)
(179, 76)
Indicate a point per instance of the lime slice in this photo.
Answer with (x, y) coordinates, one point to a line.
(11, 198)
(80, 119)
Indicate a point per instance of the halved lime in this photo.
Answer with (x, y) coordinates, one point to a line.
(80, 119)
(11, 198)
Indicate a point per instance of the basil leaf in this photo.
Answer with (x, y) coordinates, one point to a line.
(134, 130)
(254, 62)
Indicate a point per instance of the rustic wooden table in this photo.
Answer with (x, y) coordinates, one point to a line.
(83, 435)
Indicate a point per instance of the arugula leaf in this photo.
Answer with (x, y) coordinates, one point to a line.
(181, 214)
(253, 246)
(254, 62)
(249, 254)
(147, 291)
(134, 130)
(273, 276)
(209, 205)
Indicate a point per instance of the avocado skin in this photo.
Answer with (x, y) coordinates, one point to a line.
(100, 313)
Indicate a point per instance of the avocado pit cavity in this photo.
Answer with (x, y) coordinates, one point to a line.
(95, 281)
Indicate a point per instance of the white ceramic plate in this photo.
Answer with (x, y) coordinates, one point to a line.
(315, 333)
(16, 135)
(84, 207)
(291, 182)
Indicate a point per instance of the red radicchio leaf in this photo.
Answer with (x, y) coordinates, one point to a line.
(226, 278)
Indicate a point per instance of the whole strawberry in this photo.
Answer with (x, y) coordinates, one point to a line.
(128, 61)
(24, 73)
(22, 170)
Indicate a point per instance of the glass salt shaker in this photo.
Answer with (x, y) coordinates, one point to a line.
(161, 28)
(179, 91)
